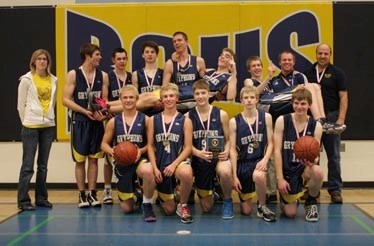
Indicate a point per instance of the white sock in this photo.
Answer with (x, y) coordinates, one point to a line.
(108, 186)
(147, 200)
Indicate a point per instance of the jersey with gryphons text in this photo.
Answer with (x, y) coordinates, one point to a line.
(147, 84)
(184, 77)
(168, 139)
(80, 96)
(290, 162)
(251, 145)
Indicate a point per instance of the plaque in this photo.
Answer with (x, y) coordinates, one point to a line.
(216, 144)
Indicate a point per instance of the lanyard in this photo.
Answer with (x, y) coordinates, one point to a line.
(254, 133)
(119, 81)
(319, 77)
(167, 133)
(305, 127)
(127, 133)
(286, 81)
(202, 122)
(89, 84)
(187, 65)
(150, 84)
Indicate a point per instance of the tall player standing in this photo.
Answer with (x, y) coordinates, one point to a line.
(87, 127)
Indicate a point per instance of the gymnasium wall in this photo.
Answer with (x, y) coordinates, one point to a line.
(250, 28)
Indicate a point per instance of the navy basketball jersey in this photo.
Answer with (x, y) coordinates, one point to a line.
(250, 147)
(290, 162)
(80, 91)
(137, 134)
(217, 81)
(200, 133)
(184, 77)
(281, 82)
(168, 146)
(154, 83)
(115, 85)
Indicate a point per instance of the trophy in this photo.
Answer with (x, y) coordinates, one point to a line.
(216, 144)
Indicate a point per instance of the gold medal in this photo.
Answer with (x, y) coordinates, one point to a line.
(166, 143)
(255, 145)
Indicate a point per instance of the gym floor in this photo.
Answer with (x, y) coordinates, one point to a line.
(351, 223)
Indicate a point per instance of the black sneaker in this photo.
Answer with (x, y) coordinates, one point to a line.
(265, 213)
(149, 215)
(92, 199)
(82, 200)
(311, 213)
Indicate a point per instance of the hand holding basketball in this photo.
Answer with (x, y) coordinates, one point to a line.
(306, 148)
(125, 153)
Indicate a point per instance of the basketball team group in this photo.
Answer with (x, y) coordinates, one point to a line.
(185, 142)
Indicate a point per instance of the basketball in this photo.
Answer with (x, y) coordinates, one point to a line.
(306, 148)
(125, 153)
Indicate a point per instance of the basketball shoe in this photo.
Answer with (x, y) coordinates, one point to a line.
(108, 199)
(82, 200)
(92, 199)
(184, 213)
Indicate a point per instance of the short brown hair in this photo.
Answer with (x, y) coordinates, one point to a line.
(200, 84)
(302, 93)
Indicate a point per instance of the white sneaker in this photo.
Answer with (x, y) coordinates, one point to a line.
(108, 199)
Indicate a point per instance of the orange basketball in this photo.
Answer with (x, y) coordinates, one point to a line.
(306, 148)
(125, 153)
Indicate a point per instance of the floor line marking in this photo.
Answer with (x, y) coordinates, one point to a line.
(28, 232)
(361, 223)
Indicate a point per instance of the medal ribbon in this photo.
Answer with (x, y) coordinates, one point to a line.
(150, 84)
(255, 134)
(119, 81)
(89, 85)
(127, 133)
(319, 78)
(286, 81)
(187, 65)
(202, 122)
(305, 127)
(171, 125)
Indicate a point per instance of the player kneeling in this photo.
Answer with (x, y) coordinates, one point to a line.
(169, 146)
(130, 125)
(291, 171)
(251, 146)
(210, 150)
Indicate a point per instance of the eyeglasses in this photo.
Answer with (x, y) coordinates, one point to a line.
(42, 59)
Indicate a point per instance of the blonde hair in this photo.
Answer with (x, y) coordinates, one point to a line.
(169, 86)
(35, 55)
(130, 88)
(249, 89)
